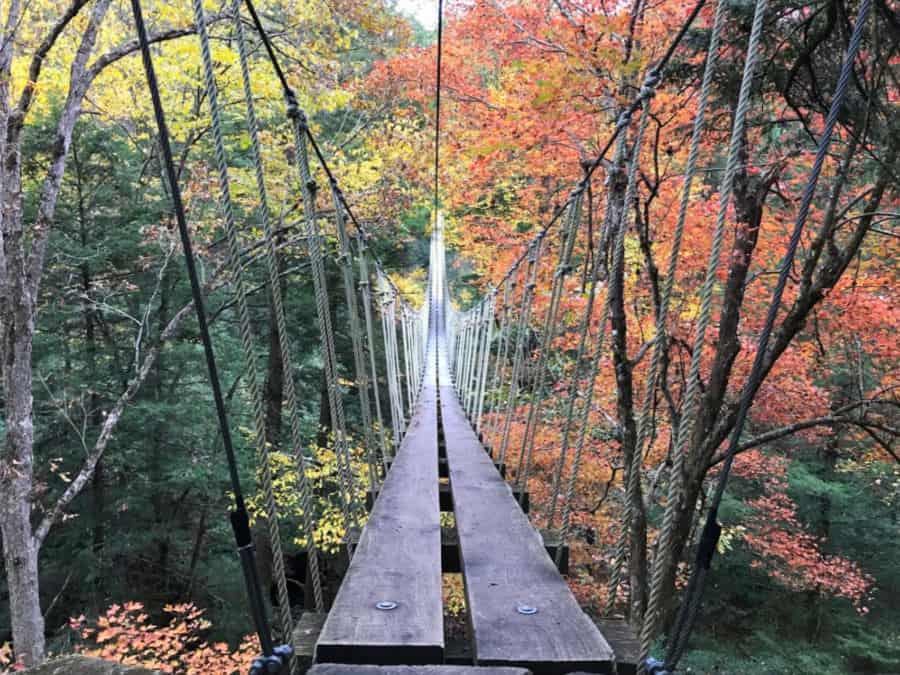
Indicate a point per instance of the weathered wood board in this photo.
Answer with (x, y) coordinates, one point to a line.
(521, 611)
(347, 669)
(389, 607)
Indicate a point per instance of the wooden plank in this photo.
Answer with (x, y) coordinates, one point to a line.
(445, 499)
(306, 634)
(443, 471)
(506, 569)
(624, 643)
(617, 632)
(450, 557)
(397, 562)
(347, 669)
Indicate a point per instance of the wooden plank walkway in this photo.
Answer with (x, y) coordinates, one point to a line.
(446, 499)
(389, 607)
(522, 616)
(521, 611)
(458, 651)
(345, 669)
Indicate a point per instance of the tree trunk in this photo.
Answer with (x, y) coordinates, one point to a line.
(324, 414)
(637, 557)
(16, 475)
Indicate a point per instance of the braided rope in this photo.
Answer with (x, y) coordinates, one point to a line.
(574, 386)
(651, 616)
(534, 259)
(475, 329)
(389, 325)
(711, 530)
(281, 323)
(467, 356)
(389, 369)
(350, 507)
(366, 290)
(584, 421)
(485, 364)
(478, 332)
(404, 334)
(689, 406)
(634, 470)
(465, 346)
(253, 374)
(509, 285)
(569, 234)
(356, 336)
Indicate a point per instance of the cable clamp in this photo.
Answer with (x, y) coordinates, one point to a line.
(295, 113)
(271, 665)
(655, 667)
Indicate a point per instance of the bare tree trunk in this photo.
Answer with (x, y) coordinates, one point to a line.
(22, 256)
(17, 473)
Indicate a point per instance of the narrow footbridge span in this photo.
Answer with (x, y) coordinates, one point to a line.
(389, 608)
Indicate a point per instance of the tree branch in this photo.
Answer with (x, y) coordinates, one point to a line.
(109, 424)
(37, 62)
(838, 417)
(128, 48)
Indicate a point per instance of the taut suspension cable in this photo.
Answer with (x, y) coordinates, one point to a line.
(437, 107)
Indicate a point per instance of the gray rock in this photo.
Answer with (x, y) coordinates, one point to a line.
(83, 665)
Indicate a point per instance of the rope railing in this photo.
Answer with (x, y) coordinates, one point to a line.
(412, 327)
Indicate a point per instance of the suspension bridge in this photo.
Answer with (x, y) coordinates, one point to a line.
(439, 390)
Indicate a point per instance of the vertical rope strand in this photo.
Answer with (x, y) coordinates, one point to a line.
(534, 259)
(356, 337)
(711, 531)
(634, 470)
(651, 616)
(563, 267)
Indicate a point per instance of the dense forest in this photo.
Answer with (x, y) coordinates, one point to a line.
(114, 491)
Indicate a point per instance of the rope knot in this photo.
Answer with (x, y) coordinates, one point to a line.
(295, 113)
(648, 88)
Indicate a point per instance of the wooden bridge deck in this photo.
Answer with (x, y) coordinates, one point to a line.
(389, 609)
(521, 611)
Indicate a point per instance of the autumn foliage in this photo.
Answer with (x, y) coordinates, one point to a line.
(126, 634)
(532, 91)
